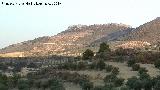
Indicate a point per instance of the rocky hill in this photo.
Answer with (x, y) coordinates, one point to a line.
(148, 32)
(70, 42)
(77, 38)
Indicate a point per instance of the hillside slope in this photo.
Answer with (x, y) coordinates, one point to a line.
(77, 38)
(148, 32)
(68, 42)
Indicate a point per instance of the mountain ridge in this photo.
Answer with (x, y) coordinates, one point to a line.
(148, 32)
(75, 39)
(77, 36)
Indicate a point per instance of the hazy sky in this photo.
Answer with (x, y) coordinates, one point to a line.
(20, 23)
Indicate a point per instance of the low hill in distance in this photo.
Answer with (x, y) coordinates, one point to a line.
(77, 38)
(69, 42)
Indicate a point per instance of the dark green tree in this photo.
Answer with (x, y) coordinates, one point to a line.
(135, 67)
(81, 65)
(131, 82)
(157, 63)
(3, 87)
(37, 84)
(56, 85)
(15, 79)
(104, 52)
(87, 85)
(119, 82)
(110, 78)
(88, 54)
(144, 75)
(137, 85)
(3, 79)
(119, 58)
(115, 71)
(32, 65)
(147, 84)
(104, 48)
(131, 62)
(92, 65)
(3, 66)
(109, 68)
(157, 85)
(109, 86)
(44, 84)
(142, 70)
(101, 65)
(155, 80)
(23, 85)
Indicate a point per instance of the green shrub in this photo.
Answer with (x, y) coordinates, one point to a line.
(88, 54)
(109, 86)
(23, 84)
(137, 85)
(87, 85)
(147, 84)
(115, 71)
(142, 70)
(3, 87)
(81, 66)
(118, 82)
(104, 48)
(92, 66)
(131, 62)
(131, 81)
(157, 63)
(120, 58)
(109, 68)
(144, 75)
(135, 67)
(56, 84)
(101, 65)
(110, 78)
(157, 85)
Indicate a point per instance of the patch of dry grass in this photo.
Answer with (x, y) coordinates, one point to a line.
(71, 86)
(152, 71)
(125, 71)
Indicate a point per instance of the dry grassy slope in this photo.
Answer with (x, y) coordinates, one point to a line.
(67, 42)
(79, 37)
(14, 54)
(134, 44)
(24, 46)
(125, 72)
(148, 32)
